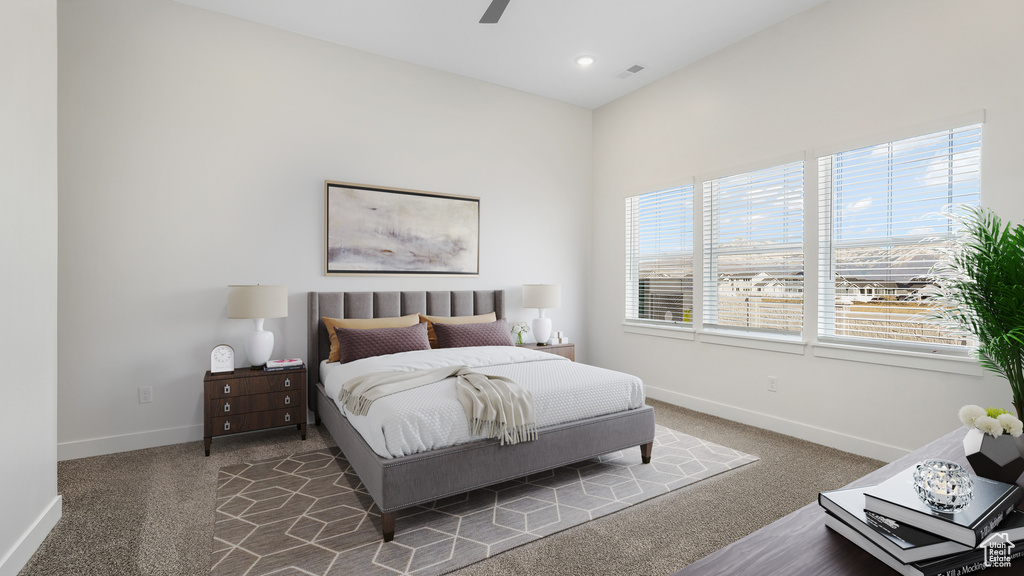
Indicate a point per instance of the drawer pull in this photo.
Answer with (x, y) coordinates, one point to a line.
(287, 417)
(287, 400)
(287, 382)
(227, 407)
(227, 425)
(227, 388)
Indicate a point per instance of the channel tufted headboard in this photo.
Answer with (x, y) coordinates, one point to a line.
(386, 305)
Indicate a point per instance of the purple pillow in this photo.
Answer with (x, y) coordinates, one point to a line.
(463, 335)
(358, 343)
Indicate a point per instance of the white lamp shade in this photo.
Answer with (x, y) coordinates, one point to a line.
(542, 296)
(257, 301)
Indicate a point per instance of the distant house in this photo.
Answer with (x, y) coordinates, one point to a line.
(850, 289)
(762, 284)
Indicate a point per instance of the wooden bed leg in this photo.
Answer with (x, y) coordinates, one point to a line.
(388, 525)
(645, 452)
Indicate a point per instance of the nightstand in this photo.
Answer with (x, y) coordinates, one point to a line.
(247, 400)
(564, 350)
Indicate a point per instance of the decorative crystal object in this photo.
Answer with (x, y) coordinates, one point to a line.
(943, 485)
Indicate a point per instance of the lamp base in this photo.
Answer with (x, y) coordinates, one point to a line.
(259, 345)
(542, 330)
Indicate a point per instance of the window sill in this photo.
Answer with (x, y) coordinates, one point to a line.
(771, 343)
(675, 332)
(901, 358)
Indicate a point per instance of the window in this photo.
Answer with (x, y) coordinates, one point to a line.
(659, 256)
(882, 228)
(753, 250)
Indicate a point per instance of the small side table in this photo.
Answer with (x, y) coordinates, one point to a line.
(564, 350)
(247, 400)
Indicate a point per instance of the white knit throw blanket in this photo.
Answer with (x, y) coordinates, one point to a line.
(495, 406)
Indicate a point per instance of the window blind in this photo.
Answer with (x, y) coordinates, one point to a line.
(659, 256)
(753, 250)
(883, 226)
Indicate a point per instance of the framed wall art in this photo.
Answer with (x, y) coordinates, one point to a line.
(372, 230)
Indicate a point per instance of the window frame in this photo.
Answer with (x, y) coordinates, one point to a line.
(809, 343)
(719, 333)
(831, 344)
(634, 256)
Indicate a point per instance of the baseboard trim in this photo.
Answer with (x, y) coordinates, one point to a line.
(831, 438)
(126, 442)
(26, 546)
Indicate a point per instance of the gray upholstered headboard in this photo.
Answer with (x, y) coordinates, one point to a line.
(386, 305)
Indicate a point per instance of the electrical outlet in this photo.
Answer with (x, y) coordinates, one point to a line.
(145, 395)
(773, 384)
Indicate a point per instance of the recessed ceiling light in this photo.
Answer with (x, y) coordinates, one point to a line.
(585, 60)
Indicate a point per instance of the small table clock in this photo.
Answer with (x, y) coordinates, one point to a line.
(222, 359)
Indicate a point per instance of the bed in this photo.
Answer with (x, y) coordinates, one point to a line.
(397, 482)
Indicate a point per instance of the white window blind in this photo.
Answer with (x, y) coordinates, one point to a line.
(882, 229)
(659, 256)
(753, 250)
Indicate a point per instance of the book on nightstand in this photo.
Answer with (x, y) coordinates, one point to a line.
(895, 498)
(287, 364)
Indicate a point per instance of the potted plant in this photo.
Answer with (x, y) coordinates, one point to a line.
(979, 291)
(992, 444)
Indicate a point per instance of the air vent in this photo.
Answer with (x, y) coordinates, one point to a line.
(630, 71)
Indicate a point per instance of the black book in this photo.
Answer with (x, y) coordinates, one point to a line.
(956, 565)
(895, 498)
(905, 543)
(1012, 526)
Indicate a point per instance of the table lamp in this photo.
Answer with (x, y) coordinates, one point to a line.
(256, 303)
(541, 296)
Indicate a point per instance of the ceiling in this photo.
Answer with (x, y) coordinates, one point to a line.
(534, 46)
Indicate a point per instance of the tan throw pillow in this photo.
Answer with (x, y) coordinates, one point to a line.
(479, 319)
(363, 324)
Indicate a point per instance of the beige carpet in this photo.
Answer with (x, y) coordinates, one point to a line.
(148, 511)
(309, 513)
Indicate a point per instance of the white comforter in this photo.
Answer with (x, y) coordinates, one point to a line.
(431, 417)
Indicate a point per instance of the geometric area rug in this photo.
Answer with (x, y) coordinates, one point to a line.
(308, 514)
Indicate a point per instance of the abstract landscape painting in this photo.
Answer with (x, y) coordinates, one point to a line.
(374, 230)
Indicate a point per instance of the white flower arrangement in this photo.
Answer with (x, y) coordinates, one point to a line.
(993, 421)
(519, 328)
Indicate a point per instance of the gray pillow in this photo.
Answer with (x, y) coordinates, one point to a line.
(356, 343)
(463, 335)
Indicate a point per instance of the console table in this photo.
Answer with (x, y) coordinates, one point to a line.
(801, 545)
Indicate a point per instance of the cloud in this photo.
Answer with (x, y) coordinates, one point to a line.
(858, 206)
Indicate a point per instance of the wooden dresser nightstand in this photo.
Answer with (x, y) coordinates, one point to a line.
(564, 350)
(247, 400)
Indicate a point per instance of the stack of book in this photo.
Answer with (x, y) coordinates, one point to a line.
(286, 364)
(891, 523)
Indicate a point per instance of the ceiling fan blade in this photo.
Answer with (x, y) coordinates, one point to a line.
(494, 12)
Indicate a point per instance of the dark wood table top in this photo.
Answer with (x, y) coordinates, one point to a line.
(801, 545)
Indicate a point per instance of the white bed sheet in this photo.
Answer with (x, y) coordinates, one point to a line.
(431, 417)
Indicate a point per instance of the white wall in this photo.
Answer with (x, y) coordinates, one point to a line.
(193, 153)
(843, 71)
(29, 504)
